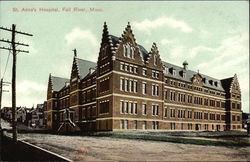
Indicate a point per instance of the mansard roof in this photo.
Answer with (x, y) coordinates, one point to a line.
(190, 74)
(58, 83)
(84, 66)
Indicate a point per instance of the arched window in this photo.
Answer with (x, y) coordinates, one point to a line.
(128, 51)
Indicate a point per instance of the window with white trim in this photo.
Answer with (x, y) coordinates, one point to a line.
(144, 87)
(144, 109)
(155, 110)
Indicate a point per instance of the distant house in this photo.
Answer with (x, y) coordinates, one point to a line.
(21, 114)
(33, 117)
(245, 120)
(37, 116)
(6, 113)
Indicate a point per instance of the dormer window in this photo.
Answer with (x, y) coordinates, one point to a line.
(165, 70)
(204, 80)
(184, 74)
(128, 51)
(174, 72)
(211, 82)
(216, 84)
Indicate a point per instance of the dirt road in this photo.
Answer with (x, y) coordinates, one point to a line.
(80, 148)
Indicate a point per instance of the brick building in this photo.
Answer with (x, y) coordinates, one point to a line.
(131, 88)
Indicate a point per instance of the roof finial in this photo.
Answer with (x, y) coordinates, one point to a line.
(75, 52)
(198, 71)
(128, 25)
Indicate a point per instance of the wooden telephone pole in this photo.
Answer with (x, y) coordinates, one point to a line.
(14, 53)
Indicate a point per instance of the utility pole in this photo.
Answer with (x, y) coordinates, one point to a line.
(14, 53)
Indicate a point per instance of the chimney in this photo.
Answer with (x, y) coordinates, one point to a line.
(185, 65)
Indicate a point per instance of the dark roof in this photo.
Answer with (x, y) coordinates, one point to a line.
(144, 52)
(226, 83)
(189, 76)
(58, 83)
(84, 66)
(114, 39)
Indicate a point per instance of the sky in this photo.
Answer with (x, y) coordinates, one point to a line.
(212, 36)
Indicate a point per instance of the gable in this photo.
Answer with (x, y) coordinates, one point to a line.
(235, 86)
(154, 60)
(197, 80)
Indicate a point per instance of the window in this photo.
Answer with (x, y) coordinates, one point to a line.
(233, 117)
(172, 95)
(125, 124)
(144, 71)
(184, 75)
(104, 106)
(128, 107)
(144, 88)
(189, 114)
(223, 104)
(233, 105)
(190, 126)
(144, 125)
(217, 103)
(155, 125)
(135, 124)
(122, 110)
(165, 112)
(155, 90)
(218, 117)
(122, 124)
(174, 72)
(155, 60)
(128, 85)
(155, 110)
(128, 51)
(135, 108)
(206, 126)
(238, 106)
(206, 116)
(122, 66)
(104, 85)
(166, 95)
(205, 101)
(190, 99)
(165, 70)
(172, 126)
(212, 103)
(212, 116)
(197, 115)
(144, 109)
(223, 117)
(172, 112)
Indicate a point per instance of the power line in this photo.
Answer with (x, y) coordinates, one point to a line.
(6, 65)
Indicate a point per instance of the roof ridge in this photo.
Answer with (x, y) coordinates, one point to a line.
(58, 77)
(227, 78)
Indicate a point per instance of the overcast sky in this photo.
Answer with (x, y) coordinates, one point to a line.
(212, 36)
